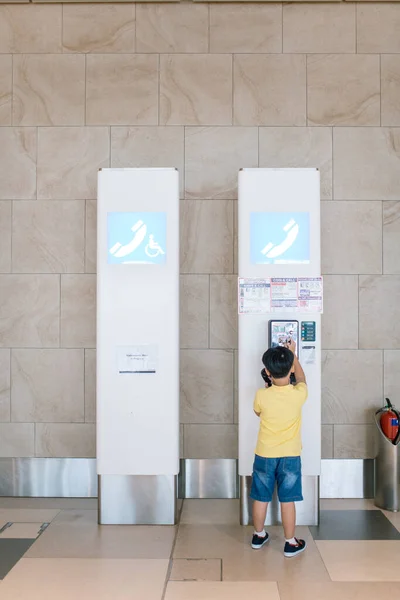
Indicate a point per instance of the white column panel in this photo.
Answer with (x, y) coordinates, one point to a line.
(138, 313)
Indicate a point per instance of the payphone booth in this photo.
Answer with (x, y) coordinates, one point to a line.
(280, 295)
(138, 345)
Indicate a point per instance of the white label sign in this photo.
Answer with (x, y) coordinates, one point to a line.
(137, 359)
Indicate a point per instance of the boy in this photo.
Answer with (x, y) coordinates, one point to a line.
(279, 445)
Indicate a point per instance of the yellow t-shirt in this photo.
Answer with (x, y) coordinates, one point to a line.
(280, 420)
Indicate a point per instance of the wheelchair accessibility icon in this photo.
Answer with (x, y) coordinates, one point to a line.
(147, 245)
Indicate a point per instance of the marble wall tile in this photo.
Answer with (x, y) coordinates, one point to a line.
(354, 441)
(5, 236)
(206, 236)
(352, 383)
(122, 89)
(391, 237)
(91, 236)
(340, 318)
(68, 161)
(206, 175)
(391, 369)
(90, 386)
(48, 236)
(307, 147)
(196, 89)
(5, 89)
(60, 440)
(148, 147)
(223, 311)
(24, 30)
(48, 89)
(5, 384)
(319, 28)
(78, 311)
(168, 28)
(366, 163)
(210, 441)
(327, 441)
(47, 386)
(94, 28)
(269, 89)
(246, 28)
(343, 89)
(194, 311)
(378, 27)
(29, 311)
(390, 76)
(17, 440)
(18, 163)
(206, 386)
(379, 318)
(351, 237)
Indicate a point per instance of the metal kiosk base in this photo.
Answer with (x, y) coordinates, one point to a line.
(137, 499)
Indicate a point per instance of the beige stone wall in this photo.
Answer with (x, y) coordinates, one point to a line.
(208, 89)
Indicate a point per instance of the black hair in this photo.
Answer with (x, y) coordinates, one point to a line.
(278, 362)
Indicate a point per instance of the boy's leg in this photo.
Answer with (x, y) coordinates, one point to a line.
(259, 515)
(289, 492)
(288, 511)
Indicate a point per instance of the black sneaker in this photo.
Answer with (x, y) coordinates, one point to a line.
(294, 549)
(258, 542)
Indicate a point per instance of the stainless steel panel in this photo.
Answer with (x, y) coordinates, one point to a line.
(137, 499)
(48, 477)
(347, 478)
(307, 511)
(211, 478)
(387, 473)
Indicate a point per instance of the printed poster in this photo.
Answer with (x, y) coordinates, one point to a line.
(254, 296)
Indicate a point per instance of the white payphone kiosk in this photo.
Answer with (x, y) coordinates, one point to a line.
(280, 296)
(138, 345)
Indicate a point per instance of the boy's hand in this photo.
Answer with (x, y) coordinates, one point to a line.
(291, 344)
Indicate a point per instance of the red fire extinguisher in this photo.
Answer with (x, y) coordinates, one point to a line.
(390, 422)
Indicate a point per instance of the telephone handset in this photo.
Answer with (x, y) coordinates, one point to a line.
(272, 251)
(140, 230)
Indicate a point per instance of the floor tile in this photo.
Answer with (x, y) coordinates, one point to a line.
(354, 525)
(208, 512)
(76, 534)
(347, 504)
(393, 517)
(86, 579)
(335, 590)
(221, 591)
(10, 553)
(240, 562)
(26, 531)
(28, 515)
(49, 503)
(196, 569)
(361, 560)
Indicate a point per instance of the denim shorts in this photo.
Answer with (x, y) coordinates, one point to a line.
(286, 472)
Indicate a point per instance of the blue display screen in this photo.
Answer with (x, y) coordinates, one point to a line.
(280, 238)
(137, 238)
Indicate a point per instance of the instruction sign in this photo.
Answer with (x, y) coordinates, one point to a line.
(281, 295)
(137, 359)
(254, 296)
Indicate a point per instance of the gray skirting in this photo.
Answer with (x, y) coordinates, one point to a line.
(212, 478)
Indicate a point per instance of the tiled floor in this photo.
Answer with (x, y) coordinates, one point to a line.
(352, 555)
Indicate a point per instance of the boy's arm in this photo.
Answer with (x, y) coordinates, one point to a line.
(298, 369)
(256, 405)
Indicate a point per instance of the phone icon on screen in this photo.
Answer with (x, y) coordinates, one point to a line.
(272, 251)
(140, 230)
